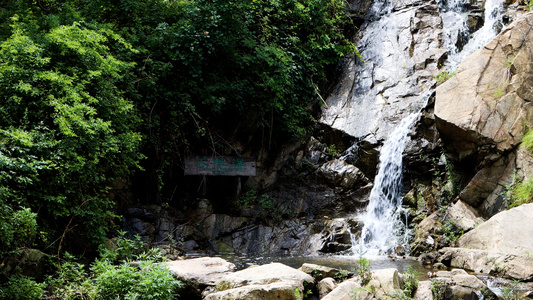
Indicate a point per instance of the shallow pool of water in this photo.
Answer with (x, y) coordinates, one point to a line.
(340, 262)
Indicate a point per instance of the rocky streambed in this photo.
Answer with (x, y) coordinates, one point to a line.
(216, 278)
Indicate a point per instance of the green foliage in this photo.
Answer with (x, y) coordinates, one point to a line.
(106, 280)
(66, 131)
(126, 249)
(438, 289)
(451, 178)
(211, 72)
(332, 150)
(148, 281)
(71, 281)
(511, 292)
(527, 140)
(450, 232)
(85, 82)
(21, 288)
(522, 193)
(363, 270)
(444, 76)
(342, 275)
(18, 228)
(410, 282)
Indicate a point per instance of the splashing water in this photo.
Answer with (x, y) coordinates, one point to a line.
(455, 23)
(384, 228)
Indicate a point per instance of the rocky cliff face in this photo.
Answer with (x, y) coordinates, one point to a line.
(401, 50)
(484, 111)
(461, 155)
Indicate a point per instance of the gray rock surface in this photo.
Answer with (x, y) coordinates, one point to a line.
(509, 232)
(487, 102)
(464, 216)
(461, 285)
(401, 53)
(325, 286)
(199, 273)
(506, 265)
(271, 281)
(346, 290)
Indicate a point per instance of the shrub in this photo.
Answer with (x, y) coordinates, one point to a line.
(18, 228)
(527, 140)
(444, 76)
(148, 281)
(410, 281)
(522, 193)
(21, 288)
(363, 270)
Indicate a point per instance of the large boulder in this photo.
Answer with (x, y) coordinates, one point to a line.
(508, 232)
(347, 290)
(463, 216)
(488, 102)
(275, 290)
(199, 273)
(505, 265)
(271, 281)
(458, 284)
(341, 174)
(320, 272)
(385, 282)
(325, 286)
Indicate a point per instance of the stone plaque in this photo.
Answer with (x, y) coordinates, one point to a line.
(220, 166)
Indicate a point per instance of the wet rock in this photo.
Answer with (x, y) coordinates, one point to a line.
(292, 237)
(396, 75)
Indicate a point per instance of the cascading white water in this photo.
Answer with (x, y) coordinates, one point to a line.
(384, 224)
(454, 23)
(384, 228)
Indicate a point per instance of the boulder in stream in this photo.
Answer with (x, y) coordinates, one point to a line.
(271, 281)
(199, 273)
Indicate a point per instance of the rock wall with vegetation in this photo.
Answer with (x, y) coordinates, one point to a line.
(103, 100)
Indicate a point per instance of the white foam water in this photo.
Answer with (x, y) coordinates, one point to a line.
(454, 23)
(385, 226)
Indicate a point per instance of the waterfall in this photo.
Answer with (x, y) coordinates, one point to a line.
(454, 19)
(384, 228)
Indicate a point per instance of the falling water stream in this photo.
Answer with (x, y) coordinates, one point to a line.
(455, 24)
(385, 225)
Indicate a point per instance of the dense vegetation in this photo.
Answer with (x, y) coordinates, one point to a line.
(94, 91)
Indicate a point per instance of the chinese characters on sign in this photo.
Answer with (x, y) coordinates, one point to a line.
(220, 166)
